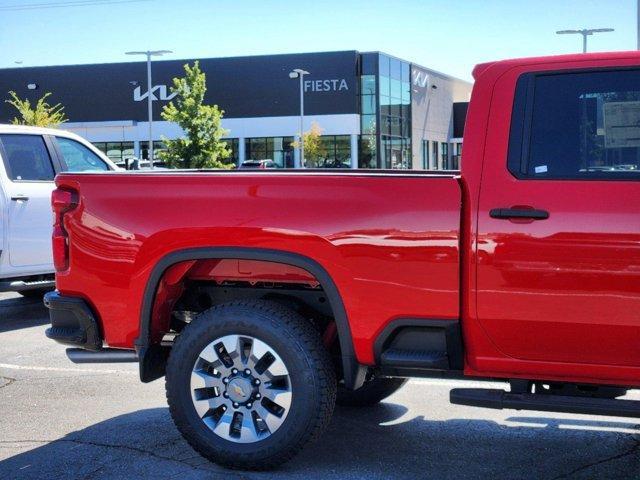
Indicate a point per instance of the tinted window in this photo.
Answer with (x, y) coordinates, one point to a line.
(577, 126)
(78, 157)
(26, 157)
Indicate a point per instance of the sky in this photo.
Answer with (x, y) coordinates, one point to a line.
(446, 35)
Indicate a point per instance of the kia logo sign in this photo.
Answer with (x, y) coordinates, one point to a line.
(163, 94)
(332, 85)
(420, 79)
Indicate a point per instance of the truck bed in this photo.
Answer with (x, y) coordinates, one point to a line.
(389, 240)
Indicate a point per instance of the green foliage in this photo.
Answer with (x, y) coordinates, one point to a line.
(202, 147)
(41, 115)
(314, 148)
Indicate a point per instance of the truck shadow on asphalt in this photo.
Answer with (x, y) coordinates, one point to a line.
(19, 312)
(375, 443)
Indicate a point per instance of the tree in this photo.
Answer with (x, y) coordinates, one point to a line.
(314, 148)
(202, 146)
(41, 115)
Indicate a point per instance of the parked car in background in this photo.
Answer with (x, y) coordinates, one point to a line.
(30, 158)
(259, 164)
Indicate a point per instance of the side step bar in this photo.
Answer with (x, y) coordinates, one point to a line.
(106, 355)
(500, 399)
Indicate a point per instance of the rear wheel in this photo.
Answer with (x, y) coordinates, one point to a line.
(249, 384)
(374, 390)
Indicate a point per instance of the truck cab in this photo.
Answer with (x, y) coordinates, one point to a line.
(30, 158)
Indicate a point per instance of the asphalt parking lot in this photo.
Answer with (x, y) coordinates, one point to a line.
(64, 421)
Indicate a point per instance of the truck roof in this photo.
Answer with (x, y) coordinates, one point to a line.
(29, 130)
(574, 57)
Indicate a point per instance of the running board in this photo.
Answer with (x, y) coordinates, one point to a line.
(106, 355)
(500, 399)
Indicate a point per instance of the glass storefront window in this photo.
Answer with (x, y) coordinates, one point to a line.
(383, 66)
(445, 155)
(118, 152)
(368, 85)
(455, 158)
(367, 149)
(425, 154)
(395, 129)
(434, 155)
(157, 147)
(335, 152)
(390, 123)
(406, 73)
(394, 109)
(406, 93)
(406, 128)
(385, 103)
(368, 105)
(395, 69)
(232, 144)
(396, 89)
(343, 142)
(278, 149)
(385, 86)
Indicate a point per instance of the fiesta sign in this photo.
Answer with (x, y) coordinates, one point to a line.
(332, 85)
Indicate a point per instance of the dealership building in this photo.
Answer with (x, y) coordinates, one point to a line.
(374, 110)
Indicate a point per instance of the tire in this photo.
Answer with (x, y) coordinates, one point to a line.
(35, 293)
(304, 387)
(372, 392)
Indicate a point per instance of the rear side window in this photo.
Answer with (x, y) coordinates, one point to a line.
(79, 158)
(576, 126)
(26, 158)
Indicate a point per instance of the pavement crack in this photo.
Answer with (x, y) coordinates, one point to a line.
(635, 449)
(9, 381)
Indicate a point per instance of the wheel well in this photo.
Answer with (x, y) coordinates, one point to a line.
(187, 282)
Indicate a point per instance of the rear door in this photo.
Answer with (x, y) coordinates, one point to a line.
(30, 171)
(558, 271)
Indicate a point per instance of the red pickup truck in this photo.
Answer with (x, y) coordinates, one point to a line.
(264, 296)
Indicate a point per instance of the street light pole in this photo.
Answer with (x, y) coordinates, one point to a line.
(299, 73)
(585, 32)
(149, 54)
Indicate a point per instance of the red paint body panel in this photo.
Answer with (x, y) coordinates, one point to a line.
(557, 299)
(251, 271)
(389, 242)
(551, 300)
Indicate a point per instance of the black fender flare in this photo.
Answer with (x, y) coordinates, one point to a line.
(151, 355)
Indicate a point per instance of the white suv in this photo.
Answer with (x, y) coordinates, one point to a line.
(30, 158)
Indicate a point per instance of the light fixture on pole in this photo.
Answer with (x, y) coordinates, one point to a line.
(149, 54)
(299, 73)
(585, 32)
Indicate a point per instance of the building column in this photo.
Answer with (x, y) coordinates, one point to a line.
(241, 151)
(296, 158)
(354, 151)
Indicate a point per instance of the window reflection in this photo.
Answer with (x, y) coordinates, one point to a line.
(278, 149)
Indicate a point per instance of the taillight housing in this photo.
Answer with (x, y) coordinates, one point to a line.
(62, 201)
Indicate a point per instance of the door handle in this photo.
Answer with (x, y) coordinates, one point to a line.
(524, 213)
(19, 198)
